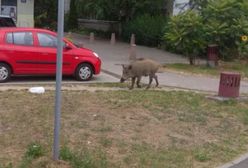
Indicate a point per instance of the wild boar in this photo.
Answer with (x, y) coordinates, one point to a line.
(138, 68)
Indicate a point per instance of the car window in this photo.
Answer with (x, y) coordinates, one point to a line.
(47, 40)
(9, 38)
(20, 38)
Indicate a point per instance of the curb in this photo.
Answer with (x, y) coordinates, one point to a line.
(111, 73)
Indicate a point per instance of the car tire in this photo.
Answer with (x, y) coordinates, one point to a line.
(5, 72)
(84, 72)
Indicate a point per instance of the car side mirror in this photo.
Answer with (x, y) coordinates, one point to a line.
(67, 47)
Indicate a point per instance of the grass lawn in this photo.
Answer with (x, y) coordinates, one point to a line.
(122, 129)
(235, 66)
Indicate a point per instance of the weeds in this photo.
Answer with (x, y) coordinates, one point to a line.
(34, 151)
(122, 129)
(84, 158)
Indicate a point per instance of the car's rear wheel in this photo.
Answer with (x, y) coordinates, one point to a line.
(84, 72)
(5, 72)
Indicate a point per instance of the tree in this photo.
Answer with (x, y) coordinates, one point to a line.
(226, 21)
(198, 4)
(45, 13)
(184, 34)
(220, 22)
(72, 22)
(123, 10)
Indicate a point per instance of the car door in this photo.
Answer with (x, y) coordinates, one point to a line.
(21, 49)
(47, 50)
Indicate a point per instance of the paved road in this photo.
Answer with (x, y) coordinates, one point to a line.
(243, 164)
(112, 55)
(41, 80)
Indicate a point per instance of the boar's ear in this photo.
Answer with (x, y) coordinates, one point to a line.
(130, 67)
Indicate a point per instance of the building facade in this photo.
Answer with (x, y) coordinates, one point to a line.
(22, 11)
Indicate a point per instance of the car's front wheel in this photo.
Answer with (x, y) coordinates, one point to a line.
(84, 72)
(5, 72)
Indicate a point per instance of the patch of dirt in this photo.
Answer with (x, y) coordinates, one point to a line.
(87, 119)
(49, 163)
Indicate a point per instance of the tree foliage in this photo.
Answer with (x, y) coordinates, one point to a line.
(118, 9)
(45, 13)
(220, 22)
(72, 22)
(198, 4)
(184, 34)
(148, 29)
(226, 21)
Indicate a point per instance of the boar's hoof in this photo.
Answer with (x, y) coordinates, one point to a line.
(122, 80)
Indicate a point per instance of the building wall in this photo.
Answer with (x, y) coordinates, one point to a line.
(25, 13)
(8, 7)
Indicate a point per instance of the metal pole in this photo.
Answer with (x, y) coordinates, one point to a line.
(59, 64)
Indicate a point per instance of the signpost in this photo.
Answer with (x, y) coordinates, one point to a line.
(57, 112)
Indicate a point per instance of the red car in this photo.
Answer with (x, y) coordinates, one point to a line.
(31, 51)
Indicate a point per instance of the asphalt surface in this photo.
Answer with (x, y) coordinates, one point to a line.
(114, 55)
(243, 164)
(39, 80)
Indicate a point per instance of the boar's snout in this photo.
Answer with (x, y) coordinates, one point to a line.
(122, 80)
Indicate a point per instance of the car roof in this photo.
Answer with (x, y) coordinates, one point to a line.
(4, 29)
(5, 16)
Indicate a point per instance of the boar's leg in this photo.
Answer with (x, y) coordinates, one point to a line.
(138, 82)
(150, 81)
(133, 81)
(156, 79)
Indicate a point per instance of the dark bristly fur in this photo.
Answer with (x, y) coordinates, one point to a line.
(138, 68)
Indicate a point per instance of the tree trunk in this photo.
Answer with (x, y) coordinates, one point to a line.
(191, 60)
(168, 7)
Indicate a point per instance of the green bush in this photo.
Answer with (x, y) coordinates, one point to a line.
(226, 21)
(184, 34)
(147, 29)
(220, 22)
(72, 21)
(122, 10)
(84, 159)
(34, 150)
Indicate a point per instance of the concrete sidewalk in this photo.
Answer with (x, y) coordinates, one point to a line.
(118, 53)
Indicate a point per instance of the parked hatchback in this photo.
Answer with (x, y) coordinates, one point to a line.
(31, 51)
(6, 21)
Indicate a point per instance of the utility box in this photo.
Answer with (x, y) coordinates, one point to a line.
(229, 84)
